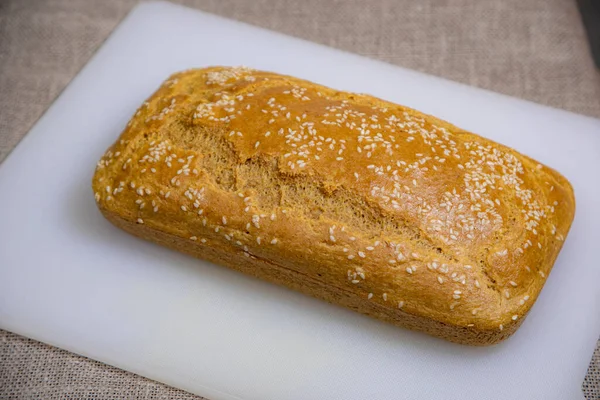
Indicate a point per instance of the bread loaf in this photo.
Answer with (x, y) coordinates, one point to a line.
(345, 197)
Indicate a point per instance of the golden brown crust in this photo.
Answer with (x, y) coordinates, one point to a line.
(359, 201)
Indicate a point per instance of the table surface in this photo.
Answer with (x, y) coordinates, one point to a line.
(533, 49)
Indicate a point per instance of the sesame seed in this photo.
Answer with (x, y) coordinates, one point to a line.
(370, 248)
(409, 270)
(392, 261)
(203, 240)
(193, 238)
(140, 221)
(274, 241)
(224, 220)
(258, 239)
(370, 296)
(183, 208)
(385, 296)
(513, 283)
(440, 279)
(350, 257)
(514, 317)
(361, 254)
(501, 327)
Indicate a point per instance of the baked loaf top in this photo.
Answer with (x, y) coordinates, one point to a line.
(374, 198)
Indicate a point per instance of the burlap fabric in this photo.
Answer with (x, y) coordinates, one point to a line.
(533, 49)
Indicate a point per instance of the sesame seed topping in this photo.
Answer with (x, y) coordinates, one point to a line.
(514, 317)
(274, 241)
(140, 221)
(385, 297)
(400, 304)
(370, 296)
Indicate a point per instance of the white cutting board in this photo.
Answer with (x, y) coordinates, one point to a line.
(69, 278)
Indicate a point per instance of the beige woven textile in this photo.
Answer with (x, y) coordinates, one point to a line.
(532, 49)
